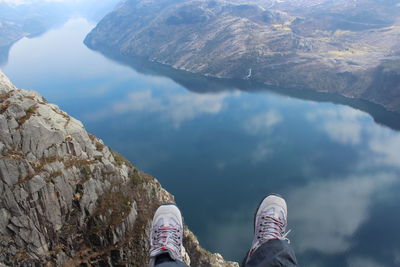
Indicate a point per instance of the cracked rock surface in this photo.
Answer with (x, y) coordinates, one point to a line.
(66, 198)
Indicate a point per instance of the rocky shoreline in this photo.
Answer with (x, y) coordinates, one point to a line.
(282, 47)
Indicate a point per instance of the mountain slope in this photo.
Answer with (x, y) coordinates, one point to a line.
(320, 45)
(66, 198)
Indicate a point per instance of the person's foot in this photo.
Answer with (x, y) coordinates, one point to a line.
(166, 233)
(270, 221)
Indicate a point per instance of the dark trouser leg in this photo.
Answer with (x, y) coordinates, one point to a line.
(171, 264)
(272, 253)
(165, 261)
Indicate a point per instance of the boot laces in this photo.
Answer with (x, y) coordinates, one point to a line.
(167, 238)
(270, 227)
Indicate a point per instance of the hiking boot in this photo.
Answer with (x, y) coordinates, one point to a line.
(166, 233)
(270, 221)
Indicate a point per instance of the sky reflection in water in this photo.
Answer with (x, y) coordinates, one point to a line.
(220, 153)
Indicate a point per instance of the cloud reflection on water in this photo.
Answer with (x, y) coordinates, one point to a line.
(326, 214)
(385, 146)
(337, 208)
(262, 152)
(259, 123)
(262, 124)
(363, 262)
(174, 107)
(341, 124)
(347, 126)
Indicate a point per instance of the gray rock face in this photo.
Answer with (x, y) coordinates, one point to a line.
(66, 198)
(345, 47)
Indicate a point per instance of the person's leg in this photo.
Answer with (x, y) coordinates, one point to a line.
(272, 253)
(166, 236)
(165, 260)
(270, 246)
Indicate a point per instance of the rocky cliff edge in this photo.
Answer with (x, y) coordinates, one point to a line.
(66, 198)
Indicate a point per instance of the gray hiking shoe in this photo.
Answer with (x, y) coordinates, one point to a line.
(166, 233)
(270, 221)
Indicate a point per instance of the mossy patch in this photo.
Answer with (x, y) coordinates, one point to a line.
(77, 162)
(28, 114)
(39, 165)
(31, 97)
(99, 146)
(4, 106)
(14, 154)
(114, 207)
(119, 159)
(92, 137)
(86, 172)
(54, 175)
(25, 179)
(4, 97)
(65, 115)
(136, 178)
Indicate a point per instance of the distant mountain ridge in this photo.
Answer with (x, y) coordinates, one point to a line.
(31, 18)
(26, 20)
(347, 47)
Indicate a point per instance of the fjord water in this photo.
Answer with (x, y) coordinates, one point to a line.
(220, 152)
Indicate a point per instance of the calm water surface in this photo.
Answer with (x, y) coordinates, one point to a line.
(220, 152)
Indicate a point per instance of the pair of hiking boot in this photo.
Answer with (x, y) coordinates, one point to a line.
(166, 233)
